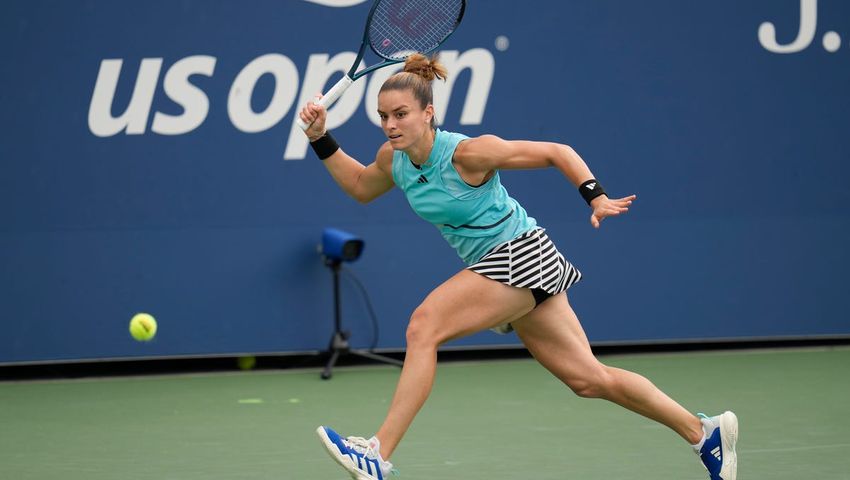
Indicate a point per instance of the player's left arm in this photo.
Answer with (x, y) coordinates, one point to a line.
(487, 153)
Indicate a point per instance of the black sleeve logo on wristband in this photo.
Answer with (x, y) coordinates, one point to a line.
(590, 190)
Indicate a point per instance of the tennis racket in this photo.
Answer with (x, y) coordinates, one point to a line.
(395, 30)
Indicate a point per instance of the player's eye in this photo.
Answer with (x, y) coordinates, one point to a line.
(401, 114)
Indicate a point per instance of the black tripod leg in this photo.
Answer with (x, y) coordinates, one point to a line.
(339, 341)
(376, 357)
(327, 373)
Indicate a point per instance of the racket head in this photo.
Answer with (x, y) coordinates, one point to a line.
(397, 29)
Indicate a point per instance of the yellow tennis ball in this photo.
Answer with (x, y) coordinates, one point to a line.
(246, 363)
(143, 327)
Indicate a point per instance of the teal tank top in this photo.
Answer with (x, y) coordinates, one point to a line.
(472, 219)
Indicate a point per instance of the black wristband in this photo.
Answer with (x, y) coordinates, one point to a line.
(590, 190)
(325, 146)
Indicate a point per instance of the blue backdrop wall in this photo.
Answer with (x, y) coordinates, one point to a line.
(149, 162)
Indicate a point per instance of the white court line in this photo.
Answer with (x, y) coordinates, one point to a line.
(797, 449)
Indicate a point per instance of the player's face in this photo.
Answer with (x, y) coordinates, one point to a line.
(402, 117)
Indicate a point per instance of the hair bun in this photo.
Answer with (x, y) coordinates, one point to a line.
(427, 68)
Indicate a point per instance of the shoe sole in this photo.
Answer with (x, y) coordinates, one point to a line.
(729, 437)
(343, 460)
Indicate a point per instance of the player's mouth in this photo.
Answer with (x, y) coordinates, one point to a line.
(394, 137)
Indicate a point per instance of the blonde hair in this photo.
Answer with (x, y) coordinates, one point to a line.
(419, 71)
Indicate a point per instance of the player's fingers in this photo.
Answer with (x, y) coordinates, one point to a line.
(608, 212)
(594, 221)
(620, 201)
(317, 111)
(616, 204)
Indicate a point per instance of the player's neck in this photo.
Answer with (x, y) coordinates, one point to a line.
(421, 150)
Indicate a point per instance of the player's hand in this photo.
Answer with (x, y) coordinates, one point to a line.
(604, 207)
(315, 116)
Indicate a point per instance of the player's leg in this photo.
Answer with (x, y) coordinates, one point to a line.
(464, 304)
(553, 334)
(467, 303)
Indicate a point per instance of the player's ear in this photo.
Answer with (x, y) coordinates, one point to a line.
(429, 113)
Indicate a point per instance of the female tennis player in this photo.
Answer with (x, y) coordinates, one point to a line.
(515, 280)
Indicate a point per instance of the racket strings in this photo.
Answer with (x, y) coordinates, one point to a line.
(400, 28)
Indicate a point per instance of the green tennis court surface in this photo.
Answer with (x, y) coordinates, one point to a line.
(489, 420)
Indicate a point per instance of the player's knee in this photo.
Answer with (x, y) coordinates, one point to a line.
(595, 384)
(420, 330)
(584, 388)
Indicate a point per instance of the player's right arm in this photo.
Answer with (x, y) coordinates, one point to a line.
(362, 183)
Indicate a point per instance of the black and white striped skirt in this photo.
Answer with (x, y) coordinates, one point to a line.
(529, 261)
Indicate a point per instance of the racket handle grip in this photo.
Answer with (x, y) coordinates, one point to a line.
(329, 98)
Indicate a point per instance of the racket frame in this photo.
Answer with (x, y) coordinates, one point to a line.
(353, 74)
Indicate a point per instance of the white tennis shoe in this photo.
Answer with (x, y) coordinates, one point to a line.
(359, 456)
(718, 451)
